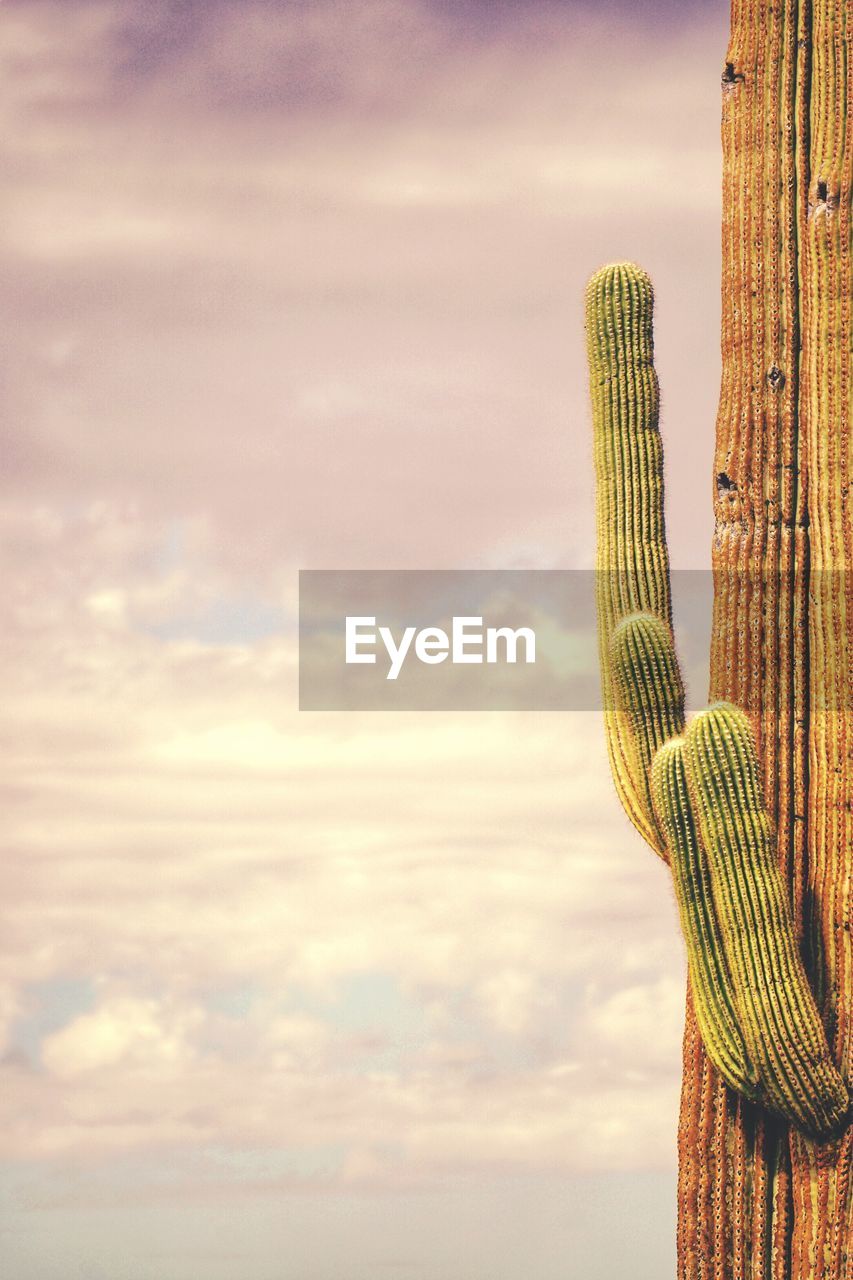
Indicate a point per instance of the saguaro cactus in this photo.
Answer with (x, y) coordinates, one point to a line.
(751, 803)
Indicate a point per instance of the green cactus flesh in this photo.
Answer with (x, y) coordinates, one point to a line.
(647, 688)
(710, 978)
(696, 798)
(778, 1015)
(632, 560)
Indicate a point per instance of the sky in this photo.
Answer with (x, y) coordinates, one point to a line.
(299, 285)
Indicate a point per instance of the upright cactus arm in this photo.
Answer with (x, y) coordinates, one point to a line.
(632, 562)
(648, 693)
(695, 798)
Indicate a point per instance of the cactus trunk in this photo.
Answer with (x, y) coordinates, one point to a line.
(756, 1197)
(752, 803)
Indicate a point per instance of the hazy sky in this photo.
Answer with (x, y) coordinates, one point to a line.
(327, 997)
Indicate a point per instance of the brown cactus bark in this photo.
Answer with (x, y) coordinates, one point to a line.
(757, 1200)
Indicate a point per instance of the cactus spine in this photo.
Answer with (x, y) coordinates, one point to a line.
(751, 803)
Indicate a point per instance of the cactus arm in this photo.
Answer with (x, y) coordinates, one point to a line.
(696, 800)
(778, 1015)
(710, 980)
(648, 691)
(632, 564)
(699, 801)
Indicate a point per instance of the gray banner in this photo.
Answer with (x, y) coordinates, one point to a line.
(479, 640)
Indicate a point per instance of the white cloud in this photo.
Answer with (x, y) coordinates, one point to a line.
(123, 1032)
(276, 333)
(641, 1024)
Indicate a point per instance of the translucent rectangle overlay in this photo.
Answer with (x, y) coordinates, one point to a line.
(399, 617)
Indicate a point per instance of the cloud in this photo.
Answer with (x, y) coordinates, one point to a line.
(223, 310)
(121, 1033)
(619, 1023)
(299, 285)
(180, 830)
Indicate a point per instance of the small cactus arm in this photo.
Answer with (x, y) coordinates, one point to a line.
(692, 791)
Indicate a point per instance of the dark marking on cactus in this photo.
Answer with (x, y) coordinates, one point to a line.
(731, 78)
